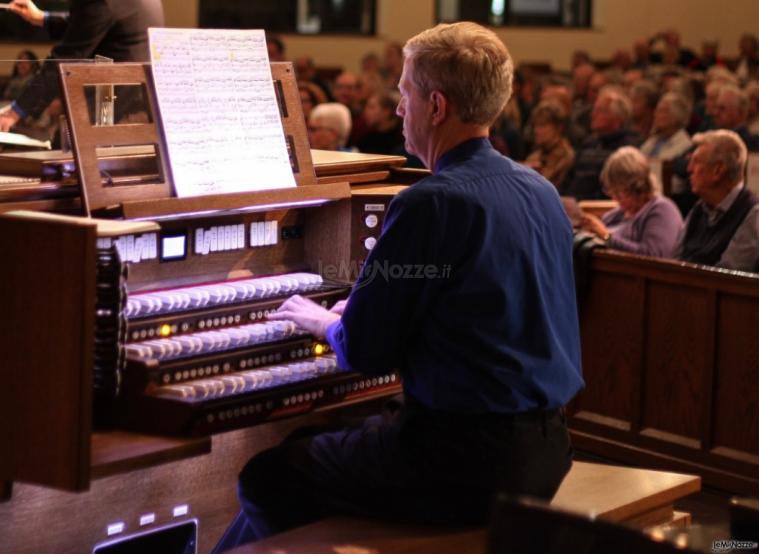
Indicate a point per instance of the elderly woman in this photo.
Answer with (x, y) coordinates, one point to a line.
(644, 223)
(669, 138)
(553, 156)
(329, 126)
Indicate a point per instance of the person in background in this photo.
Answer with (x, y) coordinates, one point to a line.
(748, 59)
(347, 92)
(305, 71)
(722, 229)
(275, 47)
(644, 95)
(731, 112)
(310, 96)
(384, 135)
(24, 68)
(488, 349)
(392, 64)
(610, 122)
(114, 29)
(668, 138)
(644, 222)
(553, 155)
(329, 126)
(370, 80)
(752, 91)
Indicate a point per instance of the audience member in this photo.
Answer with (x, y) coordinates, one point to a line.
(722, 229)
(310, 96)
(24, 68)
(731, 112)
(329, 126)
(553, 155)
(752, 91)
(610, 125)
(275, 46)
(347, 92)
(645, 223)
(370, 80)
(748, 59)
(644, 95)
(384, 135)
(305, 71)
(392, 64)
(641, 54)
(669, 138)
(709, 55)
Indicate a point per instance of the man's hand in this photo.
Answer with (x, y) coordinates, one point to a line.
(8, 118)
(28, 11)
(306, 314)
(339, 307)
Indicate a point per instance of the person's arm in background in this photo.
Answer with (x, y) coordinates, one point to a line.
(88, 22)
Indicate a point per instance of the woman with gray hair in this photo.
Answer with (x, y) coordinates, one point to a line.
(645, 222)
(669, 138)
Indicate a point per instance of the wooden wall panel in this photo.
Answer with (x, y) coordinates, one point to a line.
(611, 334)
(678, 357)
(737, 384)
(47, 293)
(74, 522)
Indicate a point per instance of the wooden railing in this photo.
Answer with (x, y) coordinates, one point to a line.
(671, 365)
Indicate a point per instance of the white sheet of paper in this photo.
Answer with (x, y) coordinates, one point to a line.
(18, 139)
(219, 111)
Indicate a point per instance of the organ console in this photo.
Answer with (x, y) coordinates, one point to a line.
(155, 311)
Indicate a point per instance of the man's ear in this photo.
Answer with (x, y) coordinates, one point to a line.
(440, 107)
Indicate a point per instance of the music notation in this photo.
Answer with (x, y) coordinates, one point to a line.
(219, 111)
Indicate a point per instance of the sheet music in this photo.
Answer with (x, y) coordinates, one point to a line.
(219, 111)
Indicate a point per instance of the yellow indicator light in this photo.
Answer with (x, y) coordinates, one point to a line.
(165, 330)
(318, 349)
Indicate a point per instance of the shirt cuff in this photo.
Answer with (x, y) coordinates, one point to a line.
(16, 108)
(335, 337)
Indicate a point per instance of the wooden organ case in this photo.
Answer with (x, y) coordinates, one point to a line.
(149, 316)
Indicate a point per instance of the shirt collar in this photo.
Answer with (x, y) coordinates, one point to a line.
(461, 151)
(713, 214)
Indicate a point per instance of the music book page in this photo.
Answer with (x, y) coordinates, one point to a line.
(219, 111)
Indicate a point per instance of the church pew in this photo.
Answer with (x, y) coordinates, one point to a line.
(671, 364)
(635, 497)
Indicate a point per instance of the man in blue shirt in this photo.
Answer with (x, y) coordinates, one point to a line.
(484, 331)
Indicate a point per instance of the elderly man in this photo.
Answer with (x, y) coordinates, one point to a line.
(731, 112)
(609, 122)
(722, 229)
(486, 338)
(114, 29)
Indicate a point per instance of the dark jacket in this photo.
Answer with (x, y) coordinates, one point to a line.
(115, 29)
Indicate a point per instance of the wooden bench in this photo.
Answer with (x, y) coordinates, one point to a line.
(638, 497)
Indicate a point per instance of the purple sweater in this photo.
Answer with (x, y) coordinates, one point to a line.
(652, 231)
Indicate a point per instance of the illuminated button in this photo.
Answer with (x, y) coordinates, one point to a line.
(223, 320)
(151, 332)
(135, 335)
(237, 318)
(369, 243)
(143, 334)
(178, 376)
(164, 330)
(243, 364)
(371, 221)
(318, 349)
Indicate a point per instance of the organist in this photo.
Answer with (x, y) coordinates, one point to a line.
(469, 293)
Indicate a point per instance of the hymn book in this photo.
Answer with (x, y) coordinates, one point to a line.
(219, 110)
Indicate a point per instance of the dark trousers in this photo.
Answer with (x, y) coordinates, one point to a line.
(406, 464)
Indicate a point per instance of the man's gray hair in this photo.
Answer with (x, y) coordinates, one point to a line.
(627, 169)
(619, 102)
(727, 148)
(679, 106)
(736, 97)
(468, 64)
